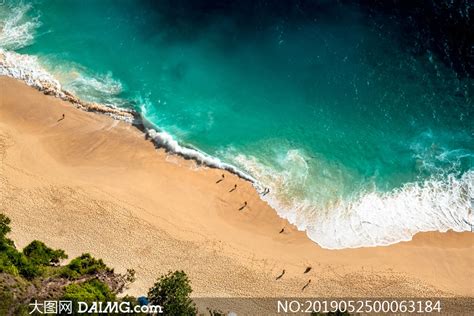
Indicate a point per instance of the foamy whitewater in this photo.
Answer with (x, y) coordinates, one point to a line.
(374, 218)
(338, 205)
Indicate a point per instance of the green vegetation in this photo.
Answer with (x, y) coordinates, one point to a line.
(35, 273)
(32, 261)
(84, 265)
(172, 291)
(40, 254)
(4, 225)
(89, 291)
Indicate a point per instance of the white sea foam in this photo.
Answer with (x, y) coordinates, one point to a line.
(374, 218)
(165, 140)
(103, 84)
(94, 87)
(17, 30)
(28, 69)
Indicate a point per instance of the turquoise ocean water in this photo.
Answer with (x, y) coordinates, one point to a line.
(360, 142)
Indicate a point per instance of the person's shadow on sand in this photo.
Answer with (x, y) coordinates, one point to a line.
(306, 285)
(62, 118)
(281, 275)
(243, 206)
(221, 179)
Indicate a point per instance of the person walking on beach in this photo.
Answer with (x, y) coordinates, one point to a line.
(281, 275)
(306, 285)
(233, 189)
(62, 117)
(245, 205)
(221, 179)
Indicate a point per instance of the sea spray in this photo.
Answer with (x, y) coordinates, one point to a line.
(164, 140)
(386, 218)
(17, 30)
(18, 33)
(372, 218)
(28, 69)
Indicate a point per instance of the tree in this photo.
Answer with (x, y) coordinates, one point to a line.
(34, 272)
(172, 292)
(11, 260)
(40, 254)
(84, 265)
(89, 291)
(4, 226)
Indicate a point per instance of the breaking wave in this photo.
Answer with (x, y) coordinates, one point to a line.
(93, 87)
(17, 30)
(28, 69)
(372, 218)
(164, 140)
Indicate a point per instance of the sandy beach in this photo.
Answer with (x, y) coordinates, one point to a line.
(89, 183)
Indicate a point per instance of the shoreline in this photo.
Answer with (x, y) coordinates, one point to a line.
(26, 68)
(98, 182)
(48, 85)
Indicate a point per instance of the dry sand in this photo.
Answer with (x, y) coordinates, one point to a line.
(89, 183)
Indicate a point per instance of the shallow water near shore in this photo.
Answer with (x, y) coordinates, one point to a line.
(360, 142)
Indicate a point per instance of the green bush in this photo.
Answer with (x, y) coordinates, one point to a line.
(6, 264)
(172, 292)
(89, 291)
(4, 226)
(40, 254)
(8, 253)
(31, 262)
(84, 265)
(28, 269)
(14, 262)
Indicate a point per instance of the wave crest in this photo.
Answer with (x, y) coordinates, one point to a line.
(28, 69)
(99, 88)
(164, 140)
(383, 219)
(374, 218)
(18, 30)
